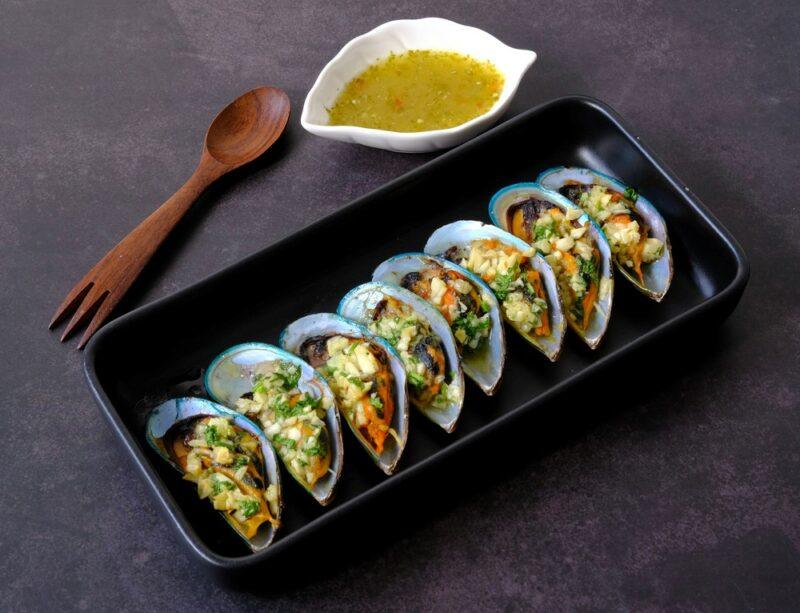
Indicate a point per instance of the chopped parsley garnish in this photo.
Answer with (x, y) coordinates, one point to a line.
(258, 386)
(377, 405)
(443, 397)
(544, 230)
(284, 441)
(416, 380)
(213, 438)
(241, 460)
(211, 435)
(411, 320)
(355, 381)
(280, 405)
(288, 375)
(222, 484)
(306, 400)
(389, 334)
(471, 324)
(502, 282)
(283, 408)
(588, 269)
(318, 449)
(249, 507)
(485, 306)
(631, 194)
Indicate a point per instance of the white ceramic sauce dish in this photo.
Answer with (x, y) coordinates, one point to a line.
(398, 37)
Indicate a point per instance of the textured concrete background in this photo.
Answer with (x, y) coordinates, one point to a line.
(688, 497)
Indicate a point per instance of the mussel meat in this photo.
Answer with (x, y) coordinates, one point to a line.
(424, 341)
(293, 405)
(572, 244)
(227, 457)
(523, 282)
(366, 375)
(465, 301)
(634, 228)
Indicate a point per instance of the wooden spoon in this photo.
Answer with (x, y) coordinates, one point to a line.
(242, 131)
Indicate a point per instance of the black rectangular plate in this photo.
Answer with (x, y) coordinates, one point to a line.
(157, 350)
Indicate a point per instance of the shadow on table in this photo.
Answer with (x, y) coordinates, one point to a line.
(502, 456)
(175, 242)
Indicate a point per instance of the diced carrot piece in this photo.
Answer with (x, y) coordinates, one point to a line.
(588, 303)
(570, 264)
(518, 224)
(536, 281)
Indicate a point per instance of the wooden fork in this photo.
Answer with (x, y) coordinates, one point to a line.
(240, 133)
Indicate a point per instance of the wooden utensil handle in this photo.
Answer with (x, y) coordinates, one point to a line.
(136, 249)
(143, 240)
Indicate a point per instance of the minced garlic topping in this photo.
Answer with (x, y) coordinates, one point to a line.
(351, 370)
(574, 258)
(292, 420)
(413, 338)
(504, 269)
(463, 305)
(622, 230)
(225, 463)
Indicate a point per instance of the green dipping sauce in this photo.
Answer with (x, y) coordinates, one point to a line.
(418, 91)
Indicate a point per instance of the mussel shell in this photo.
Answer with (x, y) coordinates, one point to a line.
(461, 233)
(169, 413)
(498, 213)
(357, 306)
(229, 377)
(329, 324)
(484, 366)
(658, 274)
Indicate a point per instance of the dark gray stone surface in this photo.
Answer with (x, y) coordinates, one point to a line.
(686, 498)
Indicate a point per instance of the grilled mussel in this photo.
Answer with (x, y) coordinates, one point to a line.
(227, 456)
(523, 283)
(465, 301)
(634, 228)
(571, 243)
(293, 405)
(422, 337)
(366, 375)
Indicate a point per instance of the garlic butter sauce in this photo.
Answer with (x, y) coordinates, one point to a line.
(418, 90)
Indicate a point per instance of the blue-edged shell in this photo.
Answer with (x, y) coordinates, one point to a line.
(231, 375)
(172, 412)
(359, 305)
(506, 198)
(324, 325)
(658, 274)
(454, 242)
(483, 365)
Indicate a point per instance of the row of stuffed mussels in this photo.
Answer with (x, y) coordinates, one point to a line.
(408, 337)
